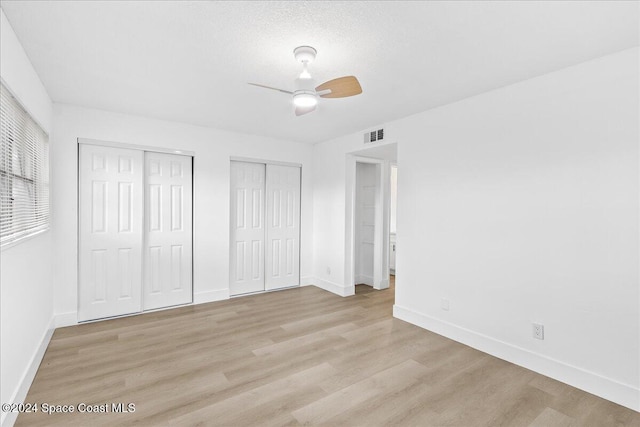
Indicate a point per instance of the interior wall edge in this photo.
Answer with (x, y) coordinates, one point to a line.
(607, 388)
(66, 319)
(27, 309)
(335, 288)
(21, 78)
(9, 418)
(306, 280)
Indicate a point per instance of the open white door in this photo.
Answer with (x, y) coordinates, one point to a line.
(168, 222)
(283, 227)
(110, 231)
(365, 223)
(247, 228)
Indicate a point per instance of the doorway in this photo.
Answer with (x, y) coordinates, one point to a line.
(367, 245)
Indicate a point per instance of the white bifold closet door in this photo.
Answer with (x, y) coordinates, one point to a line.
(283, 227)
(110, 231)
(168, 225)
(265, 227)
(135, 231)
(247, 227)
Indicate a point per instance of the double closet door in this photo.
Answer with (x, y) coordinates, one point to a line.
(135, 231)
(265, 227)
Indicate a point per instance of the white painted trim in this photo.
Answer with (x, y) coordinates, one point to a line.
(210, 296)
(70, 318)
(343, 291)
(66, 319)
(349, 222)
(591, 382)
(266, 291)
(381, 237)
(263, 161)
(306, 281)
(9, 418)
(12, 243)
(126, 145)
(361, 279)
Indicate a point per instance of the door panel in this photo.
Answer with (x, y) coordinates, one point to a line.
(365, 220)
(247, 228)
(110, 232)
(283, 229)
(168, 214)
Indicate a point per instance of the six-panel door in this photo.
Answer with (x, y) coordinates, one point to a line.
(135, 244)
(168, 226)
(247, 228)
(110, 231)
(283, 227)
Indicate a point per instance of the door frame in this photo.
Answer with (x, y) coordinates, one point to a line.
(89, 141)
(393, 164)
(143, 148)
(381, 233)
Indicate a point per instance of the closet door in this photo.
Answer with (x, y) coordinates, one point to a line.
(283, 227)
(168, 225)
(247, 228)
(110, 231)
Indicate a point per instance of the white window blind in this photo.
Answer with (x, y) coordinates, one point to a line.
(24, 172)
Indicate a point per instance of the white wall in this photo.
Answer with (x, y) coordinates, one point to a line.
(517, 205)
(25, 291)
(330, 210)
(212, 148)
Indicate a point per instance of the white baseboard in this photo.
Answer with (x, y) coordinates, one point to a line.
(607, 388)
(71, 318)
(384, 284)
(306, 280)
(66, 319)
(365, 280)
(9, 418)
(334, 287)
(211, 296)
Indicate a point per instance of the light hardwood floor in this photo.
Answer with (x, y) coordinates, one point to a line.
(296, 357)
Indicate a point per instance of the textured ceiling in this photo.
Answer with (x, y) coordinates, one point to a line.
(191, 61)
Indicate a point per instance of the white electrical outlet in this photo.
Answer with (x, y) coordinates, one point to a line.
(444, 304)
(538, 331)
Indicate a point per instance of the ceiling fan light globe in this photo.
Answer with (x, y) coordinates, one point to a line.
(305, 99)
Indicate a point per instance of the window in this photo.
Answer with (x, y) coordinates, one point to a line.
(24, 172)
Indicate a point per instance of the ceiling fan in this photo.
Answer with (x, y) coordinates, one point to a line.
(306, 93)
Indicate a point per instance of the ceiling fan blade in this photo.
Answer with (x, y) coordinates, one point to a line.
(272, 88)
(304, 110)
(340, 87)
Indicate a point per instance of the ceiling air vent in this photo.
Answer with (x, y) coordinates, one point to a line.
(374, 136)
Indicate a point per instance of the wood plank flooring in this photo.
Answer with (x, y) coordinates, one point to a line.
(297, 357)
